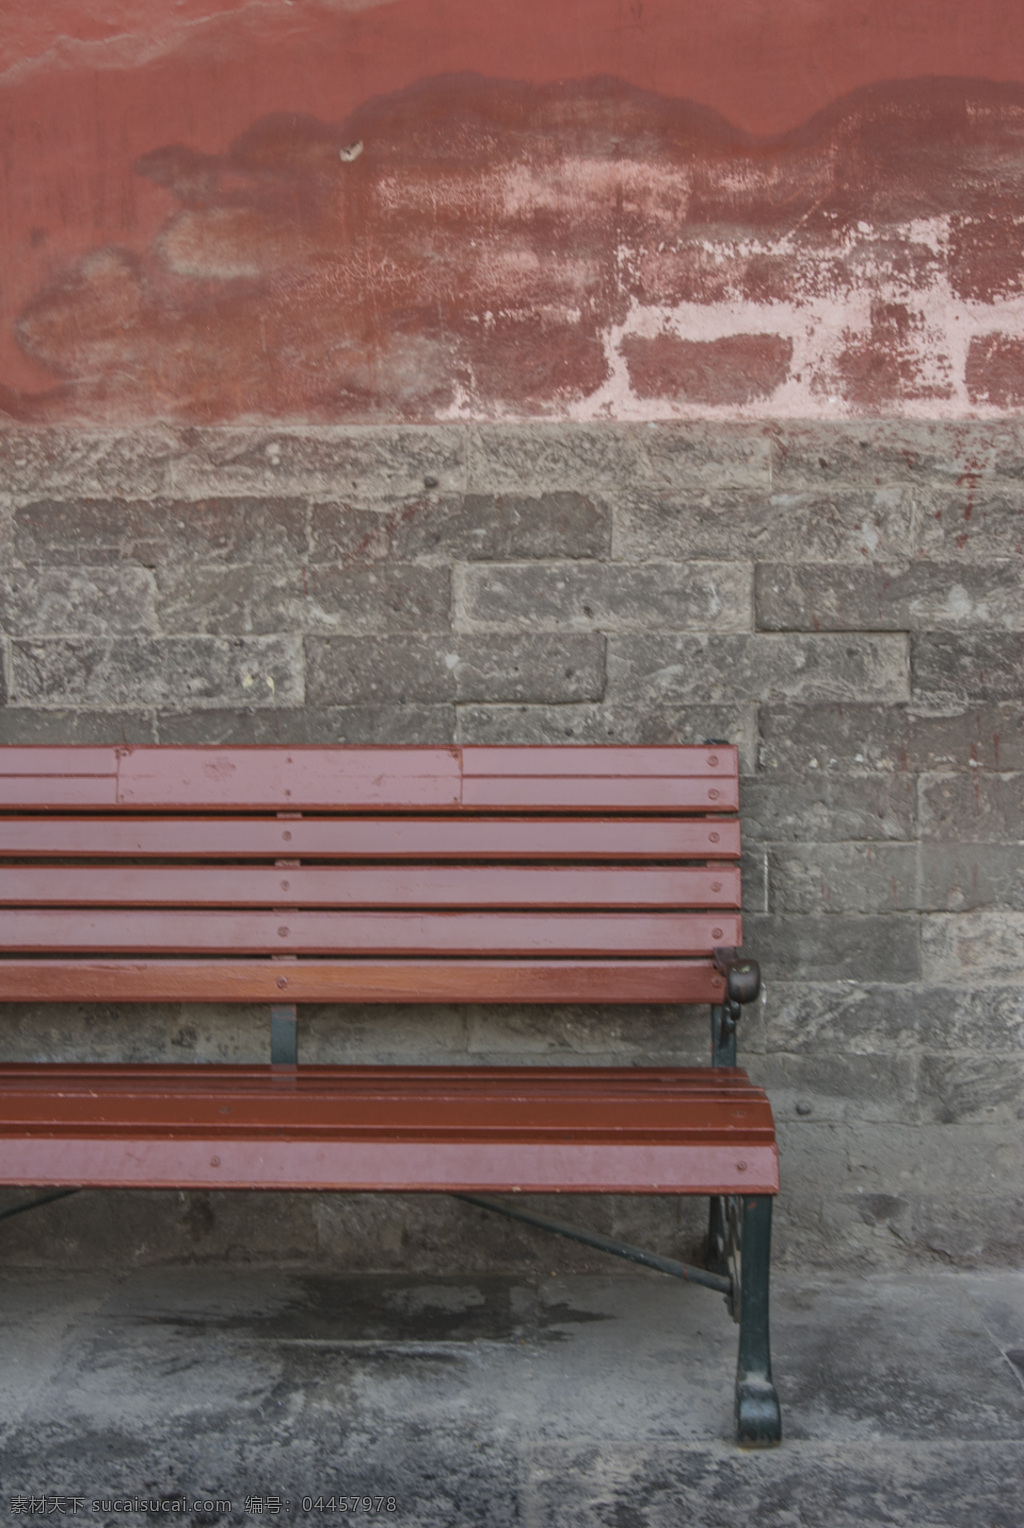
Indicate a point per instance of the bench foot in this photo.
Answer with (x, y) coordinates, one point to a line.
(758, 1416)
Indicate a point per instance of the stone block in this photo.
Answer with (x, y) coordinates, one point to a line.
(858, 1229)
(854, 1017)
(382, 1034)
(545, 668)
(917, 452)
(828, 808)
(972, 808)
(972, 1085)
(605, 1036)
(580, 723)
(836, 947)
(382, 724)
(888, 596)
(71, 601)
(471, 527)
(842, 526)
(960, 877)
(754, 868)
(987, 1019)
(954, 1161)
(711, 456)
(892, 1212)
(674, 1224)
(764, 666)
(324, 598)
(753, 1032)
(345, 671)
(26, 725)
(976, 523)
(350, 671)
(376, 462)
(568, 596)
(821, 1085)
(120, 672)
(618, 723)
(982, 947)
(842, 878)
(240, 726)
(541, 458)
(968, 668)
(76, 461)
(859, 739)
(417, 1232)
(972, 1231)
(333, 724)
(171, 1033)
(813, 1157)
(94, 532)
(140, 1229)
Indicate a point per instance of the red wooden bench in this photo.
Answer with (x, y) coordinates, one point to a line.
(393, 875)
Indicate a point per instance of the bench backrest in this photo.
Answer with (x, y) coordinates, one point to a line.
(502, 874)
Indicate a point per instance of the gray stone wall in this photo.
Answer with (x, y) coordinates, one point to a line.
(843, 601)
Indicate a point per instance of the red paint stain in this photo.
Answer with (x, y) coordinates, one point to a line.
(995, 370)
(970, 478)
(885, 367)
(735, 369)
(463, 241)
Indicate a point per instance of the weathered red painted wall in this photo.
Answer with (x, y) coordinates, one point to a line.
(424, 209)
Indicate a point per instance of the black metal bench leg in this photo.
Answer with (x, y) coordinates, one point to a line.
(717, 1258)
(723, 1053)
(758, 1418)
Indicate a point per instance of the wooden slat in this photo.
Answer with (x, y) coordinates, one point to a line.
(583, 760)
(359, 981)
(392, 1166)
(444, 1079)
(599, 794)
(48, 760)
(350, 1102)
(345, 778)
(289, 779)
(369, 886)
(173, 931)
(511, 838)
(34, 791)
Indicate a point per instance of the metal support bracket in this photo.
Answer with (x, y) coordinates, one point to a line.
(723, 1033)
(604, 1243)
(37, 1203)
(284, 1035)
(742, 977)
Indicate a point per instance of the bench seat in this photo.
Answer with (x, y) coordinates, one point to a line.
(584, 1129)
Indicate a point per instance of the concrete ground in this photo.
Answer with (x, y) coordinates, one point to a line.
(596, 1400)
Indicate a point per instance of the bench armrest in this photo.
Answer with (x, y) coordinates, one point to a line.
(743, 977)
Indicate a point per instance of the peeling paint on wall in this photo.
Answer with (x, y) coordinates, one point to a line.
(479, 248)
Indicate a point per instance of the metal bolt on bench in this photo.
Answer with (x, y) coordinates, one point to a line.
(394, 875)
